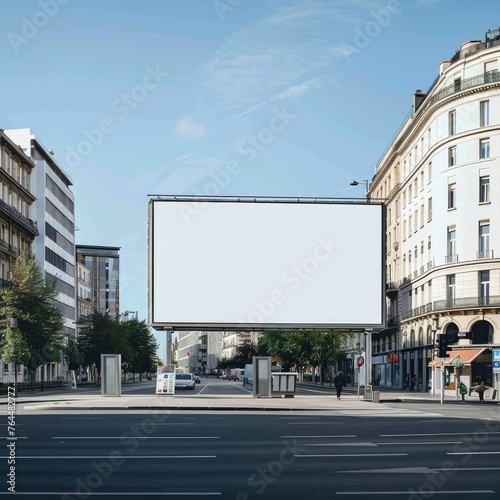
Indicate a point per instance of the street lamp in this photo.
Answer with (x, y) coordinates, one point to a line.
(357, 183)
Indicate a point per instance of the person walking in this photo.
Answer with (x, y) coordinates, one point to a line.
(339, 382)
(481, 389)
(463, 391)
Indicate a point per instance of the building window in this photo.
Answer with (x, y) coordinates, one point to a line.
(429, 171)
(484, 287)
(458, 84)
(452, 122)
(429, 209)
(452, 196)
(484, 113)
(484, 239)
(409, 225)
(484, 189)
(484, 148)
(451, 290)
(452, 156)
(422, 215)
(452, 245)
(410, 196)
(415, 185)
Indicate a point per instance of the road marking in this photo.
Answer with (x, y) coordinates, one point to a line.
(434, 492)
(142, 437)
(476, 453)
(79, 457)
(313, 423)
(319, 437)
(398, 443)
(118, 493)
(402, 470)
(436, 434)
(355, 455)
(339, 444)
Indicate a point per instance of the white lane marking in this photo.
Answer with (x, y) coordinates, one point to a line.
(435, 434)
(313, 423)
(476, 453)
(398, 443)
(319, 437)
(142, 437)
(339, 444)
(457, 492)
(119, 493)
(355, 455)
(79, 457)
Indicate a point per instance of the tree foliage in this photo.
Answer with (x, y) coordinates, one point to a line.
(99, 333)
(31, 301)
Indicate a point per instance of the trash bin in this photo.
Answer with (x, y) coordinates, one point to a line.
(376, 397)
(368, 392)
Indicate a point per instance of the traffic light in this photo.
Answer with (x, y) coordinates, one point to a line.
(443, 345)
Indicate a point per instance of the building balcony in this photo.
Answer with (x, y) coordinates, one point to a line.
(391, 290)
(493, 301)
(26, 223)
(450, 259)
(484, 254)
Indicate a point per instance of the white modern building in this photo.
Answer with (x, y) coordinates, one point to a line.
(440, 180)
(54, 214)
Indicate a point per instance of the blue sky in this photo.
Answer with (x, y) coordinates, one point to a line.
(225, 97)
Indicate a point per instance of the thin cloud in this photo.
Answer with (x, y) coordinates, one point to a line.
(187, 129)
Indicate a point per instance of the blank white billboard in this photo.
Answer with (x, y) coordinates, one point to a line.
(229, 264)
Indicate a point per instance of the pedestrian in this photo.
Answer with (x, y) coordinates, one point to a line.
(413, 383)
(407, 382)
(339, 382)
(463, 391)
(480, 389)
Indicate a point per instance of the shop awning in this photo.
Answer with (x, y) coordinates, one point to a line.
(463, 356)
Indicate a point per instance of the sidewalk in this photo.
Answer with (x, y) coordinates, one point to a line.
(323, 399)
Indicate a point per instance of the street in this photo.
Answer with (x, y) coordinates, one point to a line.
(405, 451)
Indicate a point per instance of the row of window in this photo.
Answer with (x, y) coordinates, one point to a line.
(60, 285)
(484, 192)
(13, 199)
(15, 169)
(53, 234)
(484, 117)
(483, 152)
(56, 260)
(483, 240)
(52, 210)
(59, 194)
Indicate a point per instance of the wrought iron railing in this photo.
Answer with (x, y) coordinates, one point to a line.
(28, 223)
(451, 304)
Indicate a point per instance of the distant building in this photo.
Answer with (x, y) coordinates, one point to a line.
(54, 213)
(199, 352)
(440, 181)
(104, 265)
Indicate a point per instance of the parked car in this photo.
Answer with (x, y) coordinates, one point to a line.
(184, 381)
(230, 376)
(196, 379)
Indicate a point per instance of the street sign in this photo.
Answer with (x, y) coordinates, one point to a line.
(464, 335)
(496, 355)
(496, 366)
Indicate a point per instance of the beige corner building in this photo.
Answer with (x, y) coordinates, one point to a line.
(440, 179)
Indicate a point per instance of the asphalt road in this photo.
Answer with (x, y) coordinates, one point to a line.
(397, 454)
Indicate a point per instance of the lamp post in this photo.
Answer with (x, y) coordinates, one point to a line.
(364, 181)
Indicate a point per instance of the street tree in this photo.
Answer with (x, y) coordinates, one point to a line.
(99, 333)
(29, 301)
(15, 350)
(143, 347)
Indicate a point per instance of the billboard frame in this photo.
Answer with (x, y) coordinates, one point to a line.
(220, 326)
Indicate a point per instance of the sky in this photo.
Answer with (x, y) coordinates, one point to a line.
(217, 97)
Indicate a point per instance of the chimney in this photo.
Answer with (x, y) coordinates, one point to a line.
(418, 97)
